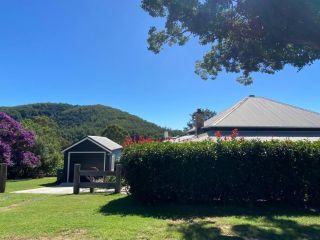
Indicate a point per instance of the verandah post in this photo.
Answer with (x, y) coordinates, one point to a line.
(118, 178)
(3, 177)
(76, 179)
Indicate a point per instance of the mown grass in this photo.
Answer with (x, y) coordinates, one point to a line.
(101, 216)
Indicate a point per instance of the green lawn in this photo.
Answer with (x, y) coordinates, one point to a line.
(100, 216)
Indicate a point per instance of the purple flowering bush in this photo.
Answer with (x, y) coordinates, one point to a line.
(16, 145)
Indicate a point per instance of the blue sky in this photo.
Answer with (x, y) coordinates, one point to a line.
(95, 52)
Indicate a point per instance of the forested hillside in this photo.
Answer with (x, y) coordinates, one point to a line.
(76, 121)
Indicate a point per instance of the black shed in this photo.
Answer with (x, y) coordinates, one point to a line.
(91, 151)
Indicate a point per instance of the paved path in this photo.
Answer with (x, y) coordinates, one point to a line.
(63, 190)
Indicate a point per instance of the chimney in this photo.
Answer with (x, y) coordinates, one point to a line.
(166, 135)
(199, 121)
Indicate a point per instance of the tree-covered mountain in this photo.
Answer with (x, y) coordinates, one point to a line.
(77, 121)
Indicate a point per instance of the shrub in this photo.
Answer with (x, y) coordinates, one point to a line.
(233, 170)
(16, 148)
(47, 146)
(137, 140)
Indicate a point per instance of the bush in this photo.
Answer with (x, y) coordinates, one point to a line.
(233, 170)
(16, 145)
(47, 146)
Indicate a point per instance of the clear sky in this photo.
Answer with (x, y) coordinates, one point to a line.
(95, 52)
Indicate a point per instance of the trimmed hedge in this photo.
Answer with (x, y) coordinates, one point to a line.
(235, 170)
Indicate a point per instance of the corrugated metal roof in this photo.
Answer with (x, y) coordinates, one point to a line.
(106, 142)
(254, 112)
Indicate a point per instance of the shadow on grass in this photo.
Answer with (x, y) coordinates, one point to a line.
(272, 229)
(19, 180)
(51, 184)
(196, 221)
(128, 206)
(278, 229)
(202, 230)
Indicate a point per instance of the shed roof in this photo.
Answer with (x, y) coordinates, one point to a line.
(103, 142)
(106, 142)
(259, 112)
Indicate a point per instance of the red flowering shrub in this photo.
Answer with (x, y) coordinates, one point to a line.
(234, 135)
(218, 134)
(127, 141)
(140, 140)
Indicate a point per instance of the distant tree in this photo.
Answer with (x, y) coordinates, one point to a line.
(48, 143)
(115, 133)
(76, 121)
(16, 145)
(207, 113)
(245, 36)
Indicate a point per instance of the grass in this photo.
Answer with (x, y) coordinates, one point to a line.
(115, 216)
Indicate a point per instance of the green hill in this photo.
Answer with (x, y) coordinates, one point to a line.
(77, 121)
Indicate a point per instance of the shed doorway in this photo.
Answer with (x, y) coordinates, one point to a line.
(87, 161)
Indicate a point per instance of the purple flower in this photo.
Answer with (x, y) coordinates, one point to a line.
(16, 144)
(29, 159)
(5, 153)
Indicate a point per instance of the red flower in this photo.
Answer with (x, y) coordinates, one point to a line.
(218, 134)
(127, 141)
(140, 140)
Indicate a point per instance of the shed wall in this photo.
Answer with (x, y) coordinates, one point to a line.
(85, 146)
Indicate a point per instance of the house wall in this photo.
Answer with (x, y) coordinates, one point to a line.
(116, 155)
(267, 132)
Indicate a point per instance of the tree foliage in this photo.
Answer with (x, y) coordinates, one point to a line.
(76, 121)
(206, 114)
(16, 145)
(115, 133)
(48, 143)
(245, 36)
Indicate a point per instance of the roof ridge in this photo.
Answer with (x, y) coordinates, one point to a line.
(233, 108)
(92, 139)
(290, 105)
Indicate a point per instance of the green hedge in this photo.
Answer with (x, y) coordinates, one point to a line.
(234, 170)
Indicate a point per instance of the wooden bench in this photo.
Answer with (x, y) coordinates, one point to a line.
(77, 184)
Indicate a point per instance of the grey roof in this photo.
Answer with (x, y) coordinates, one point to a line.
(103, 142)
(106, 142)
(255, 112)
